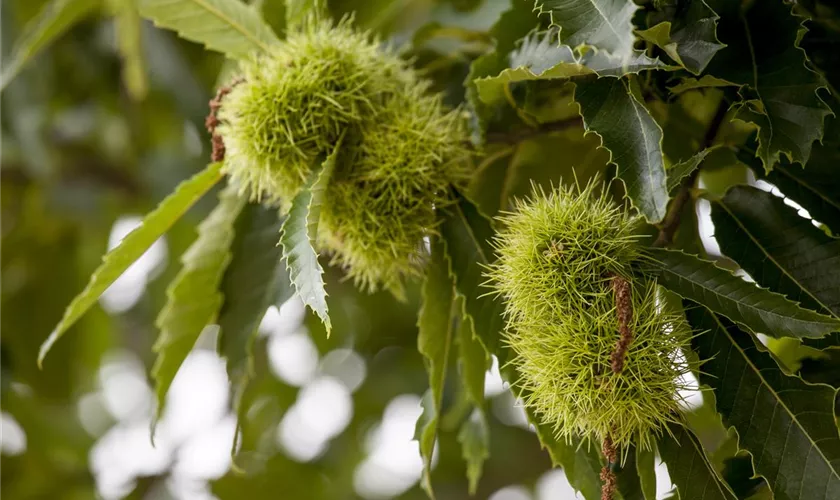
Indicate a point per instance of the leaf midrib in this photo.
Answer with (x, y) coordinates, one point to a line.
(754, 308)
(776, 396)
(773, 259)
(235, 25)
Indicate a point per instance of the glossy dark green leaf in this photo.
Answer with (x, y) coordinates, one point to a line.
(605, 24)
(689, 467)
(763, 54)
(115, 262)
(646, 467)
(466, 235)
(689, 38)
(255, 279)
(194, 297)
(297, 237)
(786, 424)
(778, 248)
(745, 303)
(817, 186)
(434, 342)
(633, 139)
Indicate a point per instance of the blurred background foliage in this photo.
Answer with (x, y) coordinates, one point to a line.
(96, 132)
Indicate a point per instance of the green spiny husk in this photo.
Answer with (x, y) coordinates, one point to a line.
(402, 152)
(558, 254)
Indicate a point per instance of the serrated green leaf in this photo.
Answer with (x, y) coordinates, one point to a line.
(55, 18)
(539, 57)
(466, 235)
(632, 137)
(706, 81)
(193, 297)
(605, 24)
(646, 466)
(627, 474)
(817, 186)
(755, 308)
(425, 432)
(689, 468)
(689, 38)
(127, 25)
(473, 363)
(255, 279)
(474, 437)
(133, 246)
(298, 10)
(226, 26)
(683, 169)
(778, 248)
(434, 341)
(785, 423)
(298, 235)
(780, 96)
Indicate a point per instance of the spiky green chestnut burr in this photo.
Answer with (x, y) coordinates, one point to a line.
(401, 154)
(596, 354)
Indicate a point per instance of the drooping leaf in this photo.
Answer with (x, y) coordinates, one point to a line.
(755, 308)
(55, 18)
(605, 24)
(298, 235)
(256, 278)
(474, 437)
(434, 342)
(689, 39)
(540, 57)
(817, 186)
(473, 363)
(133, 246)
(128, 24)
(646, 466)
(298, 10)
(466, 235)
(632, 137)
(628, 476)
(425, 432)
(193, 297)
(763, 54)
(778, 248)
(785, 423)
(685, 168)
(226, 26)
(689, 467)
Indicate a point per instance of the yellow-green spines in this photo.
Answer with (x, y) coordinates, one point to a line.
(402, 152)
(558, 257)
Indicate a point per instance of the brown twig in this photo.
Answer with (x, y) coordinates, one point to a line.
(624, 311)
(608, 477)
(671, 222)
(212, 121)
(522, 134)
